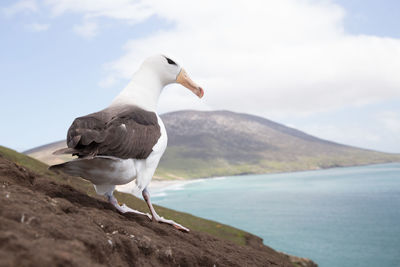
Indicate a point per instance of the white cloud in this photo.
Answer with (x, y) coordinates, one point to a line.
(25, 6)
(379, 130)
(88, 29)
(390, 121)
(273, 58)
(38, 27)
(266, 57)
(131, 11)
(278, 59)
(345, 134)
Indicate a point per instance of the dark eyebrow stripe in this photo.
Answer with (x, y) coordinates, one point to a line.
(170, 61)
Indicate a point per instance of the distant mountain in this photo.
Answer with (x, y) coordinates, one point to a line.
(217, 143)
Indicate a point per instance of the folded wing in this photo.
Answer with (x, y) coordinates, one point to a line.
(122, 132)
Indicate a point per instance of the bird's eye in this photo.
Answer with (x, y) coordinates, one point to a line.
(170, 61)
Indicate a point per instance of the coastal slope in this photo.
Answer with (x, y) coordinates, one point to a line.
(48, 219)
(219, 143)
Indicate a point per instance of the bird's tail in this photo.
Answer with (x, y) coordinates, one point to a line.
(98, 170)
(59, 167)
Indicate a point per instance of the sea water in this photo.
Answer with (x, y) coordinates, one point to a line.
(336, 217)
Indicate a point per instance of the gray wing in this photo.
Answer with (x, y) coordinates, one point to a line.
(123, 132)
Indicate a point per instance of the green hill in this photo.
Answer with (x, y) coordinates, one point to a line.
(218, 143)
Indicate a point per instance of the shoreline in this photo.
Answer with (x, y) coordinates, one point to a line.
(157, 186)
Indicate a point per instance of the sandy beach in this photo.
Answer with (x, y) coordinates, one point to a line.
(158, 185)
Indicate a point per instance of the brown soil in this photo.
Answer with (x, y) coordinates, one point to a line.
(46, 223)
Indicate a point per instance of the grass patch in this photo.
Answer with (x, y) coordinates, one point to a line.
(23, 160)
(174, 164)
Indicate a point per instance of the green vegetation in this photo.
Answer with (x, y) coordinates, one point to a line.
(23, 160)
(221, 143)
(192, 222)
(175, 164)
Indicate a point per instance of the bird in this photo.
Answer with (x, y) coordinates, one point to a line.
(125, 141)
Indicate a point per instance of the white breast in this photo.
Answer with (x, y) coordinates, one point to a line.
(145, 168)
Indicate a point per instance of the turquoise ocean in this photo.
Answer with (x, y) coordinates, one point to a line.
(336, 217)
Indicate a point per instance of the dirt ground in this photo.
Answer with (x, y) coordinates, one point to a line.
(45, 223)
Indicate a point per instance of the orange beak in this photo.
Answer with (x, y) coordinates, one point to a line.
(185, 80)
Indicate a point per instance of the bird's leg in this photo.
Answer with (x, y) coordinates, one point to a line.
(156, 218)
(122, 208)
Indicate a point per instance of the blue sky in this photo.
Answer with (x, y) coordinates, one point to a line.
(372, 17)
(62, 59)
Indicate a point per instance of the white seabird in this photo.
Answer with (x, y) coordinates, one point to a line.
(125, 141)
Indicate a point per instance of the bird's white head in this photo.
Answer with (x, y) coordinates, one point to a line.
(146, 85)
(168, 71)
